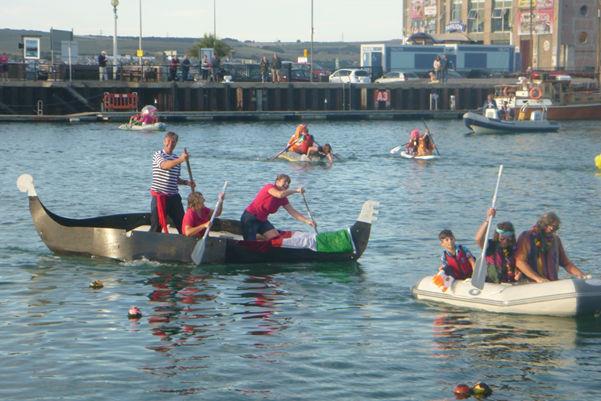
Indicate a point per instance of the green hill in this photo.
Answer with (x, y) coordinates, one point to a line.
(324, 53)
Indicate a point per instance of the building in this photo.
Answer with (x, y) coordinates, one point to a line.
(547, 34)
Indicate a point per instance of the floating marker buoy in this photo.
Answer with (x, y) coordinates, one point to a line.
(481, 389)
(598, 161)
(96, 284)
(134, 313)
(462, 391)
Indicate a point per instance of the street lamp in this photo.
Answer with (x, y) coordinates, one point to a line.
(311, 54)
(215, 20)
(140, 52)
(115, 3)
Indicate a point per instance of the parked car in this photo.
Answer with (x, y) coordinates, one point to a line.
(396, 76)
(350, 75)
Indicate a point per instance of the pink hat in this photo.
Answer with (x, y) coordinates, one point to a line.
(415, 134)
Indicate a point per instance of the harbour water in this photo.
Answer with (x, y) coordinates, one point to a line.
(294, 332)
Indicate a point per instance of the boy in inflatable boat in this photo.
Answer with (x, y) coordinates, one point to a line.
(303, 143)
(535, 256)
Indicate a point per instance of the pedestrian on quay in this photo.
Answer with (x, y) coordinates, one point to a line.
(166, 200)
(102, 71)
(276, 67)
(205, 67)
(173, 68)
(264, 69)
(185, 68)
(444, 68)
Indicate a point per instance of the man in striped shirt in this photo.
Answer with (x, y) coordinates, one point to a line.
(166, 201)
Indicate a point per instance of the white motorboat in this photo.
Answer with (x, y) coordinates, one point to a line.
(567, 297)
(491, 124)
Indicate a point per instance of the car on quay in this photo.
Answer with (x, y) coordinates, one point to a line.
(350, 75)
(397, 76)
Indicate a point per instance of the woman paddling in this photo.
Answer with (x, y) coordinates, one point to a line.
(500, 251)
(268, 200)
(197, 217)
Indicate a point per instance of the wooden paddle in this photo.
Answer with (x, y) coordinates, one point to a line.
(309, 212)
(192, 184)
(286, 148)
(199, 248)
(431, 137)
(479, 275)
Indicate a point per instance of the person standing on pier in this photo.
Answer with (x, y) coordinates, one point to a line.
(166, 200)
(205, 67)
(173, 68)
(264, 69)
(185, 68)
(276, 67)
(102, 71)
(444, 68)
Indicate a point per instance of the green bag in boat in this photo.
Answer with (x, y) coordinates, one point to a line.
(335, 242)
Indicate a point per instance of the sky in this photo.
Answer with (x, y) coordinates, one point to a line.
(258, 20)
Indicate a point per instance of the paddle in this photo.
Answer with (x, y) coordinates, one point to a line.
(309, 212)
(286, 148)
(431, 137)
(199, 248)
(397, 149)
(192, 184)
(479, 274)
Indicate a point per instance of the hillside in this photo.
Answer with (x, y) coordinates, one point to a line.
(325, 53)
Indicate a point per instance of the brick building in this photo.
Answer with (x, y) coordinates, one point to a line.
(548, 34)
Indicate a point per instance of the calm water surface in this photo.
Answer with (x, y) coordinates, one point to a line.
(301, 332)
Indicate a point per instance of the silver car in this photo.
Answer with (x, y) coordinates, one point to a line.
(397, 76)
(350, 75)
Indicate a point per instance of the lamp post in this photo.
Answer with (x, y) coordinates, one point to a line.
(140, 52)
(598, 55)
(215, 19)
(115, 3)
(311, 50)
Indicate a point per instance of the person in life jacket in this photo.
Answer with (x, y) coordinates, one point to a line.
(456, 260)
(411, 146)
(136, 119)
(425, 145)
(500, 251)
(302, 142)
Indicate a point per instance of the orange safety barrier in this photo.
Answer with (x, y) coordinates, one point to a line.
(120, 101)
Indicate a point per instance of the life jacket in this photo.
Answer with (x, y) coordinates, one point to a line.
(458, 265)
(304, 145)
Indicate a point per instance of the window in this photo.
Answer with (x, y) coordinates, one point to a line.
(456, 10)
(475, 16)
(583, 38)
(501, 16)
(583, 11)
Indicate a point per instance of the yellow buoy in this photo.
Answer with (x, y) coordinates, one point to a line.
(598, 161)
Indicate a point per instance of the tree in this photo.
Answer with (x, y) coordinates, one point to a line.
(221, 48)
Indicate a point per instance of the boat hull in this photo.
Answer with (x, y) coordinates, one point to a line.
(567, 297)
(406, 155)
(483, 125)
(116, 237)
(298, 158)
(146, 127)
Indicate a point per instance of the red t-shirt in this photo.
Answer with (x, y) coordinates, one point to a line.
(264, 204)
(192, 219)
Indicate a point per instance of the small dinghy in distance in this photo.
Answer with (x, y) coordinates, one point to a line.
(567, 297)
(298, 158)
(426, 157)
(126, 237)
(144, 127)
(491, 124)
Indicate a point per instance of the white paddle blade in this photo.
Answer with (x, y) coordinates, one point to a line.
(198, 251)
(479, 275)
(396, 149)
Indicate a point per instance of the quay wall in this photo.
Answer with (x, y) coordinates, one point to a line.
(63, 98)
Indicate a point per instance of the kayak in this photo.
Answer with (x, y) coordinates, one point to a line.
(127, 237)
(428, 157)
(298, 158)
(567, 297)
(144, 127)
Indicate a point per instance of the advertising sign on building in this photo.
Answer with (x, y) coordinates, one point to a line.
(542, 21)
(455, 26)
(31, 48)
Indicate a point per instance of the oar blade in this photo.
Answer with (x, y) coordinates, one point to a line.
(479, 275)
(198, 251)
(395, 150)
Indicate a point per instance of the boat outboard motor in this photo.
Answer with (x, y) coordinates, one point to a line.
(491, 113)
(536, 115)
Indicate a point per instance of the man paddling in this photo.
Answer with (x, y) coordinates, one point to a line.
(166, 201)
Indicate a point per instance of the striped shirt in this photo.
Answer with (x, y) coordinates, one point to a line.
(164, 181)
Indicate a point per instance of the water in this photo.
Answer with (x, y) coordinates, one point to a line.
(306, 331)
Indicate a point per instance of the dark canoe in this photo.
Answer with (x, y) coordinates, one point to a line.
(116, 237)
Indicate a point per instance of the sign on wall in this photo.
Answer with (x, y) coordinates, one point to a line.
(31, 48)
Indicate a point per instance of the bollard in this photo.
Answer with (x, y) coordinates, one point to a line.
(452, 105)
(433, 101)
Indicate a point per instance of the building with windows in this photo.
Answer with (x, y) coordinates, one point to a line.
(547, 34)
